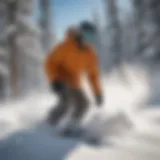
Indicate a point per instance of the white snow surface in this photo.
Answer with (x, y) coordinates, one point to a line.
(131, 132)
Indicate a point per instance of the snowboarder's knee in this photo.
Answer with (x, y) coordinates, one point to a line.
(81, 99)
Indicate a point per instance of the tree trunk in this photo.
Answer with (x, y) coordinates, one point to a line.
(46, 24)
(139, 17)
(115, 32)
(12, 8)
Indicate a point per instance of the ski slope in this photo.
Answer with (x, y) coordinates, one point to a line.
(129, 128)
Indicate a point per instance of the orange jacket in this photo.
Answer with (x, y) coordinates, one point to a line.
(67, 63)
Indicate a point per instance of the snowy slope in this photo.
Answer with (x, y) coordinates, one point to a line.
(131, 132)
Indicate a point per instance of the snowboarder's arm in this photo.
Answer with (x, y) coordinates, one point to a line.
(94, 74)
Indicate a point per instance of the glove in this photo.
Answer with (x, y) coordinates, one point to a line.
(57, 86)
(99, 100)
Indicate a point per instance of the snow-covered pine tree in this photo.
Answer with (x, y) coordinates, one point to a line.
(25, 53)
(29, 48)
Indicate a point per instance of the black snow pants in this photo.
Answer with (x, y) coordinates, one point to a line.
(69, 98)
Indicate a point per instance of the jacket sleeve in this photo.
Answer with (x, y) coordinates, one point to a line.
(52, 62)
(94, 74)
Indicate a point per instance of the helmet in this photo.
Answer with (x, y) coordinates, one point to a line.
(87, 26)
(88, 31)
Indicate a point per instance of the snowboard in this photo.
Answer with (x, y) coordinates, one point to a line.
(82, 135)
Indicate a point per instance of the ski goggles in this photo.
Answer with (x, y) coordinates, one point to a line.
(89, 37)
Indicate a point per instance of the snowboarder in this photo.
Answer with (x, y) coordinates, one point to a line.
(64, 67)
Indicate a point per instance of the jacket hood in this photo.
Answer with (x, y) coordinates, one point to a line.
(71, 33)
